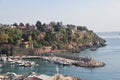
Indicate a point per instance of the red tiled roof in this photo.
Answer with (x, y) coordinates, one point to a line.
(25, 43)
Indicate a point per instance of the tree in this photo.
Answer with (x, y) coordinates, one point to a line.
(27, 25)
(21, 24)
(65, 38)
(7, 50)
(36, 44)
(29, 38)
(34, 34)
(15, 36)
(10, 35)
(4, 38)
(60, 46)
(39, 26)
(58, 36)
(57, 28)
(69, 33)
(49, 37)
(15, 24)
(82, 28)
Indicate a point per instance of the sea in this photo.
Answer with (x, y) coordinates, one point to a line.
(109, 54)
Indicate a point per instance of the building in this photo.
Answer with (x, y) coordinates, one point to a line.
(26, 44)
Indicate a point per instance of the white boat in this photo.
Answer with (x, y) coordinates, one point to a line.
(0, 65)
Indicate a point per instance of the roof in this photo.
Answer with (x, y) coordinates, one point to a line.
(39, 77)
(43, 77)
(26, 43)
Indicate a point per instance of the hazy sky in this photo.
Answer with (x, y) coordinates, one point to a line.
(97, 15)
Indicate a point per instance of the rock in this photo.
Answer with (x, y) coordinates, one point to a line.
(77, 60)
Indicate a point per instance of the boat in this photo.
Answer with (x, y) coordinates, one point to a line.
(10, 76)
(34, 76)
(93, 48)
(62, 63)
(0, 65)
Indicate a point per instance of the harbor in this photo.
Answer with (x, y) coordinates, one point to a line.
(23, 62)
(56, 58)
(18, 62)
(59, 40)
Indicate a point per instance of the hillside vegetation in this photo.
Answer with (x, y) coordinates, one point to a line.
(54, 35)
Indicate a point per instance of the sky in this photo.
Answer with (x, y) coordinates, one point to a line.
(97, 15)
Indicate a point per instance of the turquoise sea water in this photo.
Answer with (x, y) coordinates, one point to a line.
(109, 54)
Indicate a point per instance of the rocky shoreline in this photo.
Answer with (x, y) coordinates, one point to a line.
(65, 59)
(94, 45)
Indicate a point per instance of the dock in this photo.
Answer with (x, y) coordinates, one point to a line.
(18, 61)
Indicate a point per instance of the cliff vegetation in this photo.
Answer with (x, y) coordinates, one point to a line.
(42, 36)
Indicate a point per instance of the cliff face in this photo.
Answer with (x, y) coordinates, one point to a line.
(85, 39)
(80, 38)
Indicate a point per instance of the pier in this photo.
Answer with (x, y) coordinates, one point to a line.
(66, 60)
(18, 61)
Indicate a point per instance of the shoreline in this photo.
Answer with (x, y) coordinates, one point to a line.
(65, 60)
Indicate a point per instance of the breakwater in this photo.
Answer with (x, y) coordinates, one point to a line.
(66, 59)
